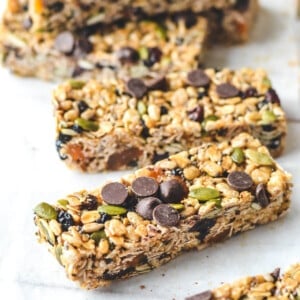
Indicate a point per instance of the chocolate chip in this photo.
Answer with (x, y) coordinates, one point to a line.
(114, 193)
(272, 97)
(198, 78)
(261, 195)
(250, 92)
(196, 114)
(127, 55)
(85, 45)
(160, 83)
(65, 42)
(242, 5)
(207, 295)
(56, 6)
(144, 186)
(239, 181)
(136, 88)
(171, 191)
(154, 56)
(227, 90)
(166, 215)
(203, 226)
(146, 206)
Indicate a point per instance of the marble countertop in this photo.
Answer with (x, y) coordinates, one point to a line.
(31, 173)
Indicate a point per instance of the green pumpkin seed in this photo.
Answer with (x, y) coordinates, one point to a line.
(177, 206)
(161, 31)
(63, 202)
(87, 125)
(143, 53)
(216, 201)
(112, 210)
(259, 158)
(209, 118)
(46, 231)
(58, 253)
(97, 236)
(268, 117)
(267, 82)
(141, 107)
(204, 193)
(45, 211)
(238, 155)
(77, 84)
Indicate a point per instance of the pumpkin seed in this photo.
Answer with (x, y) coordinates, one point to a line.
(177, 206)
(216, 201)
(204, 193)
(77, 84)
(141, 107)
(268, 117)
(44, 228)
(238, 155)
(161, 31)
(143, 53)
(63, 202)
(97, 236)
(259, 158)
(87, 125)
(45, 211)
(112, 210)
(267, 82)
(209, 118)
(58, 253)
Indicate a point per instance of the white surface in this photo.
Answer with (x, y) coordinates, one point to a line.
(31, 172)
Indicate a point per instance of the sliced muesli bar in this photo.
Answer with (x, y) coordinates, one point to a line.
(270, 286)
(232, 18)
(134, 49)
(191, 200)
(123, 124)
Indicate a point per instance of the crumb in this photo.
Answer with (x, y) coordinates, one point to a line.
(163, 274)
(142, 287)
(195, 282)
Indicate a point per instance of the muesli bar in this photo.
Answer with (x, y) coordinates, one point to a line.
(134, 123)
(270, 286)
(40, 15)
(189, 201)
(133, 49)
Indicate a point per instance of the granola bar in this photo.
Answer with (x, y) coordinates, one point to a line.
(270, 286)
(191, 200)
(136, 49)
(40, 15)
(125, 124)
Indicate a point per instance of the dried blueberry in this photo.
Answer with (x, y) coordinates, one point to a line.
(250, 92)
(63, 138)
(82, 106)
(65, 219)
(90, 203)
(103, 218)
(274, 143)
(177, 172)
(154, 56)
(196, 114)
(56, 6)
(127, 55)
(163, 110)
(145, 131)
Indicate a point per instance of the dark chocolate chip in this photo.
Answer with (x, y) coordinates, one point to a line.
(27, 23)
(250, 92)
(144, 186)
(261, 195)
(136, 88)
(82, 106)
(171, 191)
(242, 5)
(85, 45)
(276, 273)
(160, 83)
(166, 215)
(114, 193)
(198, 78)
(197, 114)
(125, 158)
(272, 97)
(65, 42)
(207, 295)
(227, 90)
(239, 181)
(90, 203)
(127, 55)
(203, 226)
(146, 206)
(56, 6)
(154, 56)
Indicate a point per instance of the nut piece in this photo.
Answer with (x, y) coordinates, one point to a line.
(115, 228)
